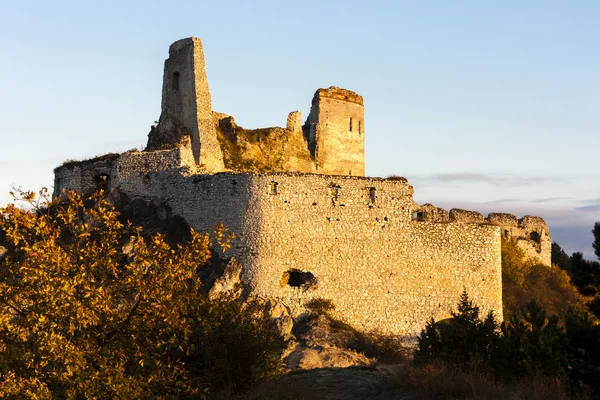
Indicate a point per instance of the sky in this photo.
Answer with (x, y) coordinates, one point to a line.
(492, 106)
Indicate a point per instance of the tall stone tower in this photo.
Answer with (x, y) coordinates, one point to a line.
(335, 131)
(186, 105)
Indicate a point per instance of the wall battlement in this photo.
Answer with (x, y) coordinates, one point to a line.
(298, 202)
(530, 233)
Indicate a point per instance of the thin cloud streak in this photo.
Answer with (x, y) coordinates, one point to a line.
(593, 207)
(491, 179)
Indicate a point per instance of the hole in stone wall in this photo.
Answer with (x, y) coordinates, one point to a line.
(506, 233)
(350, 124)
(372, 195)
(102, 181)
(297, 278)
(335, 192)
(175, 80)
(535, 237)
(359, 126)
(273, 187)
(146, 179)
(418, 216)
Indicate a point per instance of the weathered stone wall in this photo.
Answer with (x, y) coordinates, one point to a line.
(382, 269)
(187, 105)
(531, 234)
(335, 131)
(84, 176)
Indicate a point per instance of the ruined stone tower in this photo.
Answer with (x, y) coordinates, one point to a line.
(335, 130)
(186, 106)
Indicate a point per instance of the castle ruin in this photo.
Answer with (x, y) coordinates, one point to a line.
(308, 224)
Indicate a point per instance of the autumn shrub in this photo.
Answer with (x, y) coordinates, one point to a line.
(90, 308)
(524, 279)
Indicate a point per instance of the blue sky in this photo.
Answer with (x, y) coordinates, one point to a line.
(485, 105)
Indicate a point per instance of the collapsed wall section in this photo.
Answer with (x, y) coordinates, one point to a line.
(109, 171)
(272, 149)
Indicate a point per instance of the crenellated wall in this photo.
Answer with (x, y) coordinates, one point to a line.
(530, 233)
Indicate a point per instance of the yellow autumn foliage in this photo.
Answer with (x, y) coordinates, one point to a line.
(89, 308)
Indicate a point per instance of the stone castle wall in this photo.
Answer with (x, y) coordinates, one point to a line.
(382, 268)
(530, 233)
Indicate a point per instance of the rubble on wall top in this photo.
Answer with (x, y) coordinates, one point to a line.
(334, 92)
(178, 45)
(503, 219)
(466, 216)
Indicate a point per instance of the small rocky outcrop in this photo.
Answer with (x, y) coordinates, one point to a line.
(228, 282)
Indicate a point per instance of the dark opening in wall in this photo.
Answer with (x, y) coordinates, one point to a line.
(371, 194)
(334, 190)
(297, 278)
(273, 187)
(506, 233)
(359, 126)
(535, 237)
(350, 124)
(418, 216)
(102, 182)
(175, 80)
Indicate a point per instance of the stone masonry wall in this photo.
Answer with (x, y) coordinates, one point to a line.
(383, 270)
(530, 233)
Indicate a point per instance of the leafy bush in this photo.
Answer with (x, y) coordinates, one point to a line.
(524, 279)
(89, 308)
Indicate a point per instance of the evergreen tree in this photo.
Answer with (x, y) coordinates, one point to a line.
(465, 341)
(596, 244)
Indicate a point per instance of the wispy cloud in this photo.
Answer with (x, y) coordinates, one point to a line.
(590, 201)
(491, 179)
(592, 207)
(550, 199)
(502, 201)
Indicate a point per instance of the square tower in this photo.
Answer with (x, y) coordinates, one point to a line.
(336, 132)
